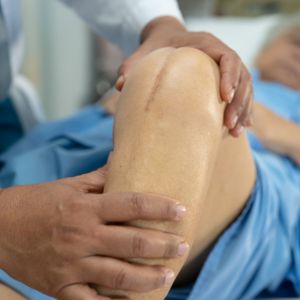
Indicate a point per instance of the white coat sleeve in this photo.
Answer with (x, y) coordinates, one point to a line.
(122, 21)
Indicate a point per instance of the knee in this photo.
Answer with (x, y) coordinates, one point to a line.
(194, 75)
(183, 82)
(195, 63)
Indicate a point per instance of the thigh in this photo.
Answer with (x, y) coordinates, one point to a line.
(230, 188)
(8, 293)
(169, 139)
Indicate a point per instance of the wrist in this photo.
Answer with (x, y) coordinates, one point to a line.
(3, 227)
(162, 25)
(285, 139)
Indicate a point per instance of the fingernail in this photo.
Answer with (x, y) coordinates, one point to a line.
(120, 82)
(234, 121)
(240, 129)
(231, 95)
(169, 277)
(182, 249)
(180, 211)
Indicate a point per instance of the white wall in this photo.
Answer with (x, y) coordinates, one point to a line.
(58, 55)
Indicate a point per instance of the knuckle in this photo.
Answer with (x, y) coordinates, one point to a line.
(137, 203)
(205, 34)
(139, 246)
(237, 58)
(119, 279)
(76, 205)
(232, 55)
(247, 76)
(168, 210)
(210, 35)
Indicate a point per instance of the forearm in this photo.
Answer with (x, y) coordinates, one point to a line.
(2, 228)
(169, 119)
(277, 134)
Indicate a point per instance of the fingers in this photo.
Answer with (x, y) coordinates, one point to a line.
(230, 68)
(129, 63)
(126, 66)
(120, 82)
(241, 125)
(246, 119)
(129, 242)
(235, 86)
(125, 207)
(120, 275)
(81, 292)
(88, 183)
(238, 112)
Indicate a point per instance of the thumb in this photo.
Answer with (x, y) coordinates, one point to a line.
(127, 66)
(92, 182)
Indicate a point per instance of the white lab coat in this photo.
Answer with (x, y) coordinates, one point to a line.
(120, 21)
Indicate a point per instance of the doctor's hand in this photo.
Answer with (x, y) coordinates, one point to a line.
(60, 237)
(236, 82)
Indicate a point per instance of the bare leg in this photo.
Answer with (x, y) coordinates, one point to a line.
(169, 140)
(9, 294)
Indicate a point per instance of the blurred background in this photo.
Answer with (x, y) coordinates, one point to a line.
(71, 66)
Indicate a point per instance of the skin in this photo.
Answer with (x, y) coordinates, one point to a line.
(276, 133)
(280, 60)
(65, 241)
(235, 84)
(177, 90)
(205, 212)
(209, 214)
(7, 293)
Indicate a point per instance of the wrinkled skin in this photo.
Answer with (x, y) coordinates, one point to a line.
(56, 237)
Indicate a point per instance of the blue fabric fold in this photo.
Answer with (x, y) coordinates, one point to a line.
(56, 150)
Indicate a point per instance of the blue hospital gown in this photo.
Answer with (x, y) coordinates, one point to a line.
(258, 255)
